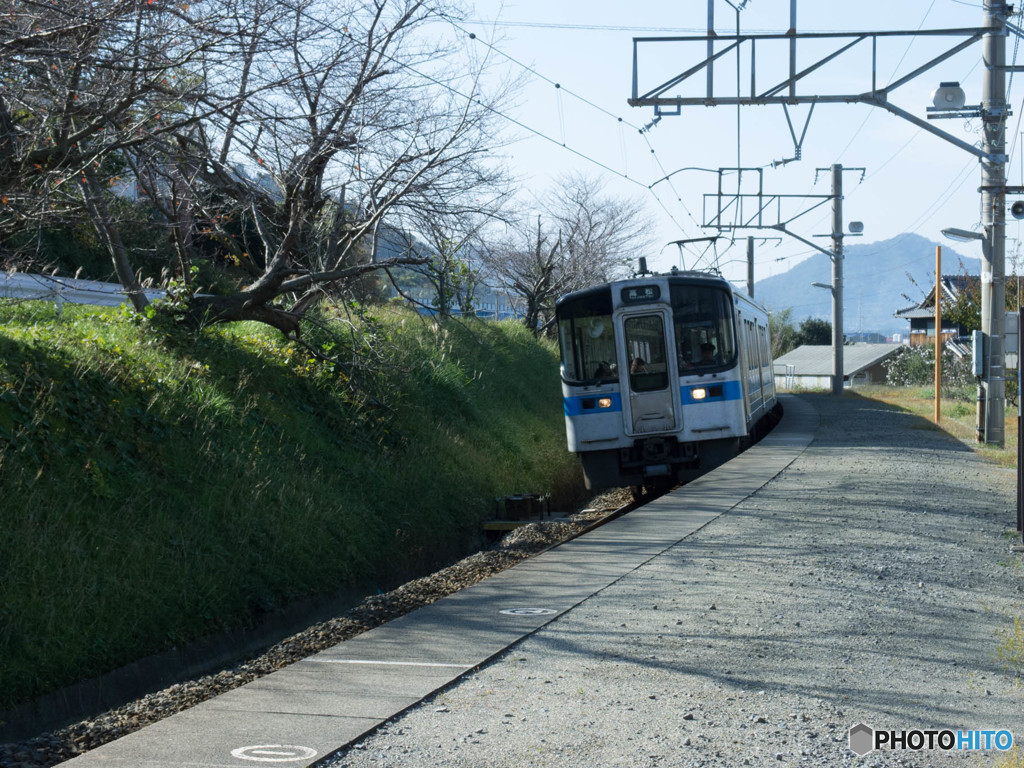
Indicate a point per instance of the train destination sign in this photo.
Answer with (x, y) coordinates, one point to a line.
(640, 293)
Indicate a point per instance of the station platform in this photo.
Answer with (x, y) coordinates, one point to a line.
(301, 714)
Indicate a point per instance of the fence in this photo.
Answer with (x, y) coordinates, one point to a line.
(24, 285)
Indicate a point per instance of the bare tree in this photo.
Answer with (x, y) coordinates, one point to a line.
(529, 265)
(282, 132)
(453, 245)
(84, 84)
(584, 237)
(602, 234)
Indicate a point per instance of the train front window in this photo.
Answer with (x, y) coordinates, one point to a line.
(587, 338)
(702, 316)
(645, 347)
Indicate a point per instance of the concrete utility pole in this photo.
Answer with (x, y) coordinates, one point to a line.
(837, 279)
(762, 202)
(750, 266)
(938, 332)
(993, 207)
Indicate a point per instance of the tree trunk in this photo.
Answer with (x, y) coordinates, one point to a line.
(111, 237)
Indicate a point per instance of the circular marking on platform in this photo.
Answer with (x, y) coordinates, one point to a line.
(274, 753)
(528, 611)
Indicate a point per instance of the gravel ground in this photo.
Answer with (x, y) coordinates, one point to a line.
(869, 582)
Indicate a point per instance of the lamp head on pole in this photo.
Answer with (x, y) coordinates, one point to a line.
(826, 286)
(962, 235)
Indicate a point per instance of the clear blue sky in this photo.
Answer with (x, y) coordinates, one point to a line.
(914, 182)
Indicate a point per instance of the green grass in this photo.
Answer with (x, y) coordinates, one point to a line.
(160, 486)
(1014, 758)
(1010, 650)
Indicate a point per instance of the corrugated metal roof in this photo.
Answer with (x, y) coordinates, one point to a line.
(816, 359)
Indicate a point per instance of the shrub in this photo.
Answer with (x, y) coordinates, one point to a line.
(915, 366)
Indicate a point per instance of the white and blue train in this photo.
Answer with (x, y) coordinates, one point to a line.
(663, 377)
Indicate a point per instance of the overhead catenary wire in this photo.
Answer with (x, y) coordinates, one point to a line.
(557, 84)
(536, 132)
(526, 67)
(645, 132)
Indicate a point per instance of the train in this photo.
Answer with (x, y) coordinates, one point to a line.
(664, 377)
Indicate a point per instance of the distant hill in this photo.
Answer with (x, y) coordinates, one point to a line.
(875, 281)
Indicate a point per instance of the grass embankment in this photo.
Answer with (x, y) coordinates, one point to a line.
(160, 487)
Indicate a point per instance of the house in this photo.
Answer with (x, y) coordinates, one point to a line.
(922, 316)
(810, 366)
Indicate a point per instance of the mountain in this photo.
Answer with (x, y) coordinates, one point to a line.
(878, 279)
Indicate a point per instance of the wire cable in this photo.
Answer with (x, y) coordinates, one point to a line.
(535, 73)
(643, 131)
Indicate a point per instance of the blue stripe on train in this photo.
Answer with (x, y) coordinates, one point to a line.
(580, 406)
(717, 392)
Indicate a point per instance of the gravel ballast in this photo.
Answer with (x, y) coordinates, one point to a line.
(869, 582)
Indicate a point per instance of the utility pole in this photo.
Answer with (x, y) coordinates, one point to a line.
(837, 279)
(938, 333)
(993, 206)
(761, 202)
(750, 266)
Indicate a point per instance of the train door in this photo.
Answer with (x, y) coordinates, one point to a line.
(649, 360)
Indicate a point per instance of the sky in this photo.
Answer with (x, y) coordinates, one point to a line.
(571, 115)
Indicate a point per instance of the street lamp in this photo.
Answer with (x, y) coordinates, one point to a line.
(962, 235)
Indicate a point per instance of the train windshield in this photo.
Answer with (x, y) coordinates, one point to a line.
(702, 316)
(587, 338)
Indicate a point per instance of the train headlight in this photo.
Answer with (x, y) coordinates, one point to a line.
(699, 393)
(604, 402)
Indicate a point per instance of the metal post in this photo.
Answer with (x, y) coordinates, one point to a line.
(938, 331)
(750, 267)
(993, 205)
(837, 279)
(792, 49)
(711, 48)
(1020, 424)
